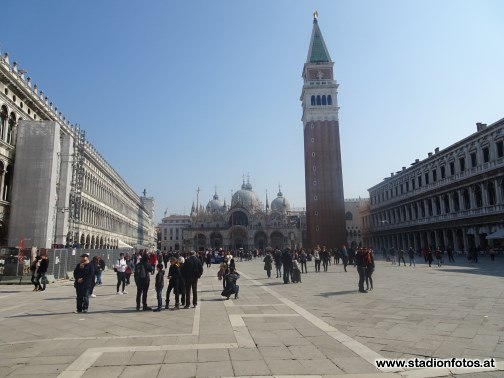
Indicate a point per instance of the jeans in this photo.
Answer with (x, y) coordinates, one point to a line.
(237, 290)
(304, 268)
(399, 260)
(142, 289)
(324, 264)
(278, 270)
(345, 262)
(412, 261)
(286, 273)
(172, 285)
(317, 265)
(159, 294)
(191, 286)
(369, 279)
(121, 279)
(98, 277)
(82, 297)
(362, 277)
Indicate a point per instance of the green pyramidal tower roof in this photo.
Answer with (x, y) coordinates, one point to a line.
(318, 52)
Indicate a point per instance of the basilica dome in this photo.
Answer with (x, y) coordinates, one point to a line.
(215, 204)
(280, 204)
(245, 197)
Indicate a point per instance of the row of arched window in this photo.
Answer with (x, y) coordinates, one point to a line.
(321, 100)
(7, 125)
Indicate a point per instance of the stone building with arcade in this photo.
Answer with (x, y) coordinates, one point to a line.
(55, 187)
(454, 197)
(245, 223)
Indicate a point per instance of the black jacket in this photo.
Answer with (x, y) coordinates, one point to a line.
(85, 271)
(44, 264)
(192, 269)
(174, 273)
(160, 279)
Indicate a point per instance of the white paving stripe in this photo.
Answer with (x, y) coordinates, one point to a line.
(355, 346)
(89, 357)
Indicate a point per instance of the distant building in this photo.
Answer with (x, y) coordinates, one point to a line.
(245, 223)
(170, 232)
(454, 197)
(325, 207)
(353, 221)
(55, 187)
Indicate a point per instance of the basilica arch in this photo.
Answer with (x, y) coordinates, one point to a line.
(216, 239)
(260, 240)
(200, 242)
(277, 239)
(238, 237)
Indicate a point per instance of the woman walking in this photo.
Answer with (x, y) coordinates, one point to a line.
(370, 266)
(268, 264)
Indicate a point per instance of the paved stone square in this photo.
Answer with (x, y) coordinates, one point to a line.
(321, 327)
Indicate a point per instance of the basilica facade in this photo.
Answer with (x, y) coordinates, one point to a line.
(245, 223)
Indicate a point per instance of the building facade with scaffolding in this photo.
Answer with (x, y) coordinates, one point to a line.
(55, 187)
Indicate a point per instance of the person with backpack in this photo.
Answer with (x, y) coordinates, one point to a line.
(287, 265)
(361, 262)
(302, 259)
(191, 272)
(142, 281)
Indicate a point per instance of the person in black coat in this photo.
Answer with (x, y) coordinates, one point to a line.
(142, 281)
(42, 270)
(173, 283)
(159, 286)
(287, 265)
(361, 262)
(83, 275)
(191, 272)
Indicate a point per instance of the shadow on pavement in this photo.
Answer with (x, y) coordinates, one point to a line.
(333, 293)
(121, 311)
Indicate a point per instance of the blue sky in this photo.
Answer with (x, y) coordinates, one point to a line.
(177, 95)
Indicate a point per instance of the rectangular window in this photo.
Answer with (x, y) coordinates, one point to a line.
(407, 186)
(434, 175)
(462, 164)
(452, 168)
(419, 181)
(473, 160)
(427, 178)
(486, 155)
(443, 172)
(396, 191)
(413, 184)
(500, 148)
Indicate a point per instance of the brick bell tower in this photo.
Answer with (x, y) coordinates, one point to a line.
(325, 204)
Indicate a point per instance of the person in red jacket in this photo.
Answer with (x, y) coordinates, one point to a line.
(153, 262)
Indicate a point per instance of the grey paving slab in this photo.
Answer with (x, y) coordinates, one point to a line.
(179, 370)
(140, 371)
(251, 367)
(104, 372)
(147, 358)
(181, 356)
(114, 359)
(213, 355)
(214, 369)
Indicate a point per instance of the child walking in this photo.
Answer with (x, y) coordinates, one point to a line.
(159, 287)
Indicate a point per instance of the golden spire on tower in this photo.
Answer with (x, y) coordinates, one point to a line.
(315, 15)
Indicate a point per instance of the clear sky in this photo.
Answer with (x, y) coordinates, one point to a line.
(181, 94)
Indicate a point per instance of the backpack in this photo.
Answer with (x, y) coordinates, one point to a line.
(140, 271)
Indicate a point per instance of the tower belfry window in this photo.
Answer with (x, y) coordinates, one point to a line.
(329, 100)
(313, 100)
(324, 100)
(319, 101)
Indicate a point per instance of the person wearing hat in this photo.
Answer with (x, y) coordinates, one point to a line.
(83, 275)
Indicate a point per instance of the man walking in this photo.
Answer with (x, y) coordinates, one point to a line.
(411, 254)
(42, 271)
(191, 272)
(120, 268)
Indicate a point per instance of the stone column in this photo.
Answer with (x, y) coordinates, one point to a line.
(465, 238)
(472, 198)
(445, 238)
(498, 194)
(429, 241)
(484, 193)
